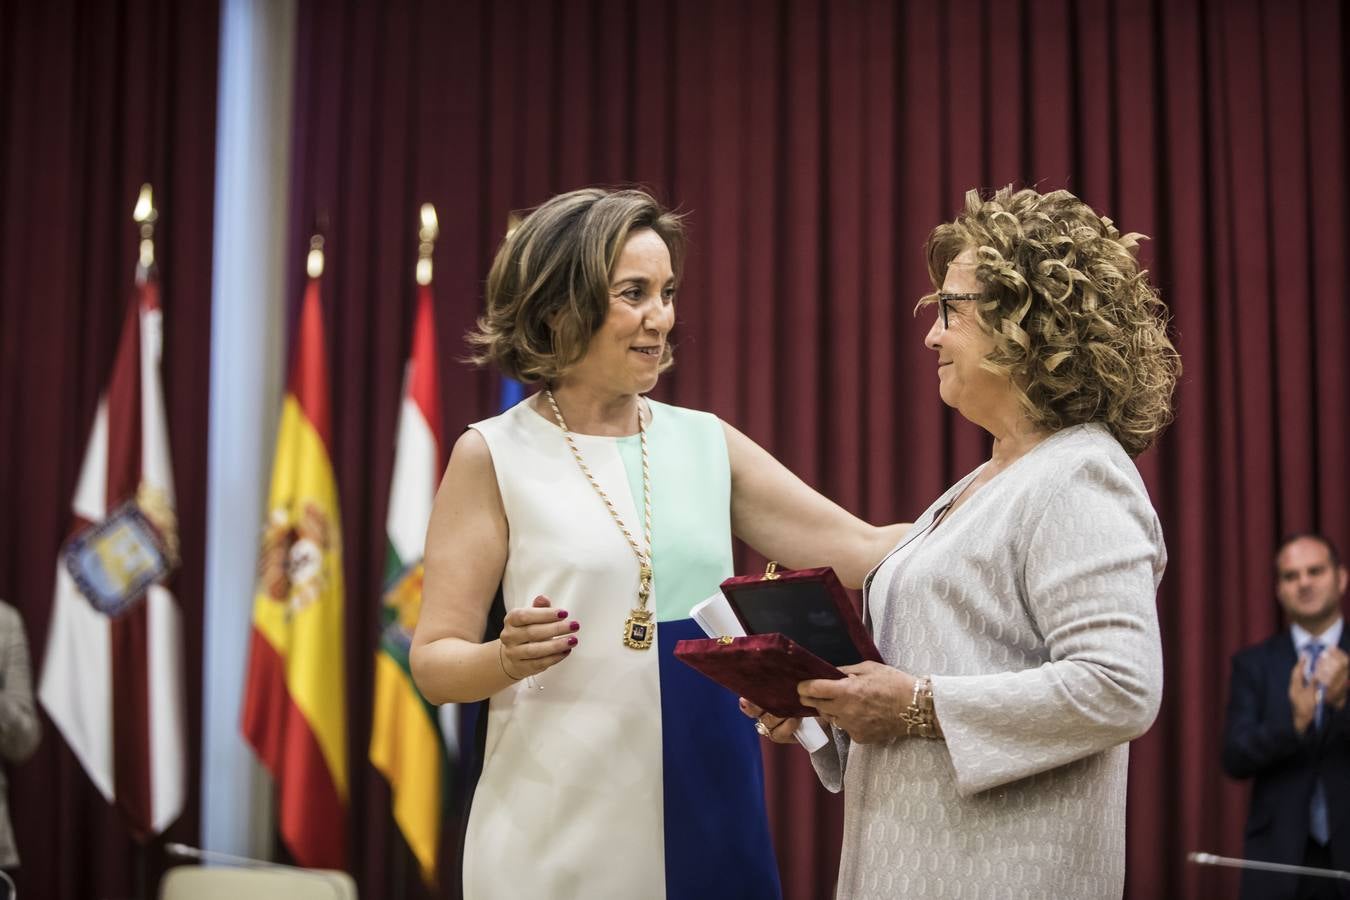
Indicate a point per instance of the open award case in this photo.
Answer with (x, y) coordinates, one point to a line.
(799, 625)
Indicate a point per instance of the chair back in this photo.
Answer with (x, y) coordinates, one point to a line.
(261, 883)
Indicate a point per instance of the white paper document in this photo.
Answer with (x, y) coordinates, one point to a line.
(716, 618)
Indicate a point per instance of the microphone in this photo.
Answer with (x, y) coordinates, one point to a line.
(1209, 859)
(335, 881)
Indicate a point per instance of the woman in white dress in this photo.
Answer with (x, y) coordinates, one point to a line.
(1017, 616)
(610, 769)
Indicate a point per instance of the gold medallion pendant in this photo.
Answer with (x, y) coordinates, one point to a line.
(639, 629)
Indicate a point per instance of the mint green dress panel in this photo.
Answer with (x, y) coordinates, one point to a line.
(691, 505)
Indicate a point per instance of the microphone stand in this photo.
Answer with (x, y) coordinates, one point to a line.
(183, 851)
(1209, 859)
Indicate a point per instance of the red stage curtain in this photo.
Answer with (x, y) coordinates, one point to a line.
(96, 98)
(814, 145)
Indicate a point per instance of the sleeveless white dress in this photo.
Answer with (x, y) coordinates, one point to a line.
(628, 774)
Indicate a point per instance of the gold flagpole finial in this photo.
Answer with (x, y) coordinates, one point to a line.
(314, 262)
(429, 229)
(145, 216)
(145, 205)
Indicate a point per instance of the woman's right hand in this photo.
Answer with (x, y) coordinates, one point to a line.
(780, 731)
(535, 639)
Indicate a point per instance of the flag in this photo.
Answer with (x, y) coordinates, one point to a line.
(512, 393)
(112, 675)
(295, 706)
(405, 741)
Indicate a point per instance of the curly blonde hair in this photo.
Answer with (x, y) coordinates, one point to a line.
(1077, 326)
(548, 289)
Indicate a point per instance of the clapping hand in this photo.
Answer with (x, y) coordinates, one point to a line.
(1302, 695)
(1330, 673)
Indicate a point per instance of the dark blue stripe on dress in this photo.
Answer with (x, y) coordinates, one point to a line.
(717, 832)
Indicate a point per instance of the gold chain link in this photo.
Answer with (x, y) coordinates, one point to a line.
(644, 559)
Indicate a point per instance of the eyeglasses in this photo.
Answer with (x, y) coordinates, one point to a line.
(946, 298)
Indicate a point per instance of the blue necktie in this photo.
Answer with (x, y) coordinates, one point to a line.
(1318, 825)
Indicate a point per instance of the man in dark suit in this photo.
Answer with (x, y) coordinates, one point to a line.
(1288, 729)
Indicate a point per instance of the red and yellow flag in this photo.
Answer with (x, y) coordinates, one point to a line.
(295, 706)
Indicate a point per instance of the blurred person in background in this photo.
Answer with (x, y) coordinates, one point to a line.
(1288, 730)
(20, 728)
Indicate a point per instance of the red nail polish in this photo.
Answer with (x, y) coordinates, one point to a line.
(571, 642)
(562, 613)
(574, 626)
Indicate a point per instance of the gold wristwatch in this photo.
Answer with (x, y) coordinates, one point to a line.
(919, 717)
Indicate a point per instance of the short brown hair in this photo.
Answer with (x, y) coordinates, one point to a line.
(1309, 536)
(548, 289)
(1077, 326)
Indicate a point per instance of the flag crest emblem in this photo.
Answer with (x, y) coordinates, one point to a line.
(295, 560)
(402, 606)
(114, 561)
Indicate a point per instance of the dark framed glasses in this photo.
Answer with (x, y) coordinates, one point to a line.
(946, 298)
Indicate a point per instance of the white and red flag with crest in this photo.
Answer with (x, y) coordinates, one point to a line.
(112, 676)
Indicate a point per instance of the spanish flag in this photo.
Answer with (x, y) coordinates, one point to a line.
(295, 705)
(405, 739)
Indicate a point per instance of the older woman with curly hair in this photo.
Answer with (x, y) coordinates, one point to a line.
(1017, 615)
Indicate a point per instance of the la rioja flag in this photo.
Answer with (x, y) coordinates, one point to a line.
(112, 675)
(405, 740)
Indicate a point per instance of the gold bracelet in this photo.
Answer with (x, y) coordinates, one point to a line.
(919, 717)
(501, 660)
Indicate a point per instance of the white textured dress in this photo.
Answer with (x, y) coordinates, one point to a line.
(1033, 608)
(629, 775)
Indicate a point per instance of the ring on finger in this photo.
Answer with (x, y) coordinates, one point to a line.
(761, 728)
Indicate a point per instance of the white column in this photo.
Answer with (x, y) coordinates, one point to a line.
(248, 303)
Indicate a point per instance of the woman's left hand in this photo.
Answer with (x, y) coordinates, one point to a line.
(866, 704)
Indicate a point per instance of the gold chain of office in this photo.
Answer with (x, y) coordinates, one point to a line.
(639, 629)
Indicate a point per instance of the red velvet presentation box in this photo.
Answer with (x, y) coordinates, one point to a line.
(799, 625)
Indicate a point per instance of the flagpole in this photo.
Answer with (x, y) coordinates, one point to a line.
(428, 229)
(427, 233)
(145, 216)
(314, 261)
